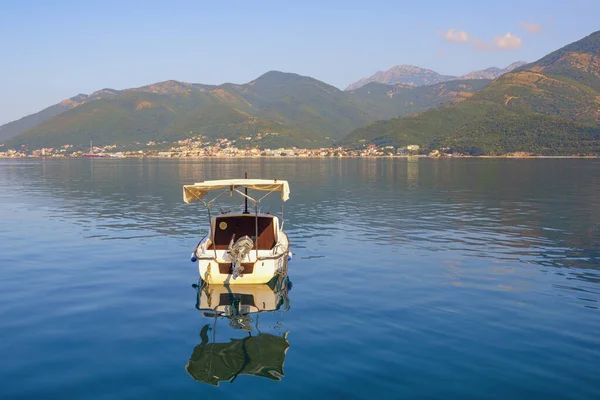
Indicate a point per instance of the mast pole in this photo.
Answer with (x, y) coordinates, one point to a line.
(246, 198)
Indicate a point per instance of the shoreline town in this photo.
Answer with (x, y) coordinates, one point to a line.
(224, 148)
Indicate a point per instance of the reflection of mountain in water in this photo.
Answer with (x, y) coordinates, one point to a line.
(261, 354)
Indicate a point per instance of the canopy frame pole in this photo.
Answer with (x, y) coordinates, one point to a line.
(251, 198)
(267, 195)
(256, 228)
(246, 196)
(210, 203)
(209, 229)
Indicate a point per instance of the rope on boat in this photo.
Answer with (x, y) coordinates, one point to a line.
(237, 252)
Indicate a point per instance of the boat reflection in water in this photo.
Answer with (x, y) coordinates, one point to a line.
(257, 353)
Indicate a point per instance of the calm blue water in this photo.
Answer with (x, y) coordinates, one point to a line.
(423, 278)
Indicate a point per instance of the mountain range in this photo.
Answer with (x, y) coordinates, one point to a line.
(415, 76)
(548, 107)
(300, 110)
(551, 106)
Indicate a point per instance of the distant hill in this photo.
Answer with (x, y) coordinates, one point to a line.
(296, 110)
(300, 110)
(551, 106)
(382, 100)
(493, 72)
(415, 76)
(12, 129)
(404, 75)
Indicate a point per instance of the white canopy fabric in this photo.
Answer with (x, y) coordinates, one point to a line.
(197, 191)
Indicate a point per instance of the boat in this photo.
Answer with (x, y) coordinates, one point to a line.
(242, 247)
(91, 154)
(259, 354)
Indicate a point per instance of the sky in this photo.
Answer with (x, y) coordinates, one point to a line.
(53, 50)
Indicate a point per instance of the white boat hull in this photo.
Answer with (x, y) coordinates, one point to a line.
(215, 271)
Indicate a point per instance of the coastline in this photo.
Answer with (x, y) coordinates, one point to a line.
(100, 159)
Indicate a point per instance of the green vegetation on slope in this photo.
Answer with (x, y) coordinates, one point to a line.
(303, 103)
(14, 128)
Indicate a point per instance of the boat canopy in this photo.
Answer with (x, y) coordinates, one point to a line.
(197, 191)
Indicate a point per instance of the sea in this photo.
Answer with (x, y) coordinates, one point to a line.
(411, 278)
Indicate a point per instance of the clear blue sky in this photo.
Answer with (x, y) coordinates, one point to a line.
(52, 50)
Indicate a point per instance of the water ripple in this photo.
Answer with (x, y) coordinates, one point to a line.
(481, 276)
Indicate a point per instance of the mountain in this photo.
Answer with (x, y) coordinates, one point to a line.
(382, 101)
(493, 72)
(12, 129)
(415, 76)
(293, 109)
(405, 75)
(578, 61)
(548, 107)
(301, 103)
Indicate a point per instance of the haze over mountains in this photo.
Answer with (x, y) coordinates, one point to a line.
(415, 76)
(551, 106)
